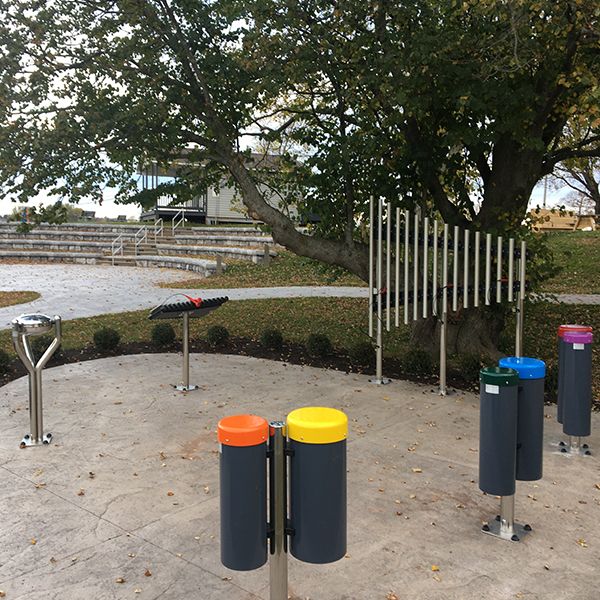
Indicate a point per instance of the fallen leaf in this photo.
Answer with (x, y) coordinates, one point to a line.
(435, 568)
(33, 541)
(2, 594)
(597, 486)
(169, 493)
(417, 470)
(391, 596)
(81, 492)
(582, 543)
(148, 573)
(437, 578)
(119, 580)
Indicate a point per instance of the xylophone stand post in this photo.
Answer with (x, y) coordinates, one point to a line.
(185, 386)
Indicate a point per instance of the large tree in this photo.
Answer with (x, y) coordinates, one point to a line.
(459, 107)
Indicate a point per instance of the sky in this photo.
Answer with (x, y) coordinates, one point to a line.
(110, 209)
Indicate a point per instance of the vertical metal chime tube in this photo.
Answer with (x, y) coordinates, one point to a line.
(425, 264)
(278, 567)
(499, 271)
(416, 268)
(444, 320)
(397, 272)
(477, 251)
(511, 268)
(488, 268)
(186, 350)
(388, 266)
(379, 365)
(406, 262)
(434, 274)
(521, 304)
(371, 260)
(455, 270)
(466, 271)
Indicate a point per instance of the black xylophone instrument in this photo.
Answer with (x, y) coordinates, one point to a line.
(193, 307)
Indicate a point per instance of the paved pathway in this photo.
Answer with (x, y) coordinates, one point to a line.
(73, 291)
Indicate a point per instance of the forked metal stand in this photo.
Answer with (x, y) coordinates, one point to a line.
(185, 386)
(504, 525)
(25, 327)
(278, 561)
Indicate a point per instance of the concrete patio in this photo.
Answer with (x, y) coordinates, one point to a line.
(124, 503)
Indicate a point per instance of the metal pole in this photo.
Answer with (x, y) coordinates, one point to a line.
(434, 274)
(507, 515)
(397, 271)
(425, 264)
(416, 268)
(476, 281)
(185, 386)
(499, 271)
(444, 321)
(455, 270)
(379, 343)
(371, 216)
(466, 271)
(278, 564)
(511, 268)
(388, 266)
(406, 262)
(521, 302)
(488, 268)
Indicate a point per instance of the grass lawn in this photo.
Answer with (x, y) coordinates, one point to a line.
(344, 320)
(286, 269)
(11, 298)
(578, 254)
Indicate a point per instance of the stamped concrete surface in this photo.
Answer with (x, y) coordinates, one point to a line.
(124, 504)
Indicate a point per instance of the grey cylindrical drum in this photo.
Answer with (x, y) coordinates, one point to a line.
(530, 415)
(318, 484)
(561, 364)
(577, 400)
(498, 430)
(243, 494)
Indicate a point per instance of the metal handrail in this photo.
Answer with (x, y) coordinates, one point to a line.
(159, 229)
(178, 220)
(118, 249)
(142, 234)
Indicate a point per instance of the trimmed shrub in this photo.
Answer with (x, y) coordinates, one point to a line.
(551, 383)
(39, 343)
(217, 335)
(272, 339)
(470, 364)
(106, 339)
(318, 344)
(362, 353)
(4, 362)
(417, 362)
(163, 334)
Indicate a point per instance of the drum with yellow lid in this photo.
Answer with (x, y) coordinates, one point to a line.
(317, 442)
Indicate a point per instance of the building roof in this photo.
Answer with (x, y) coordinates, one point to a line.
(555, 220)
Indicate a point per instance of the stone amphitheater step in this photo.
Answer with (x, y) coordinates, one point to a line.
(202, 266)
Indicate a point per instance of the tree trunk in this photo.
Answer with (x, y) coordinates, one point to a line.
(470, 331)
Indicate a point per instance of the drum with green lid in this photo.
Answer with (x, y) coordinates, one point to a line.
(498, 430)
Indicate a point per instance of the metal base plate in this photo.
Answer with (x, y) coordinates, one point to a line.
(566, 450)
(518, 533)
(382, 381)
(28, 440)
(185, 388)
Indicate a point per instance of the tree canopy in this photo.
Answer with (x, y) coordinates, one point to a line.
(459, 107)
